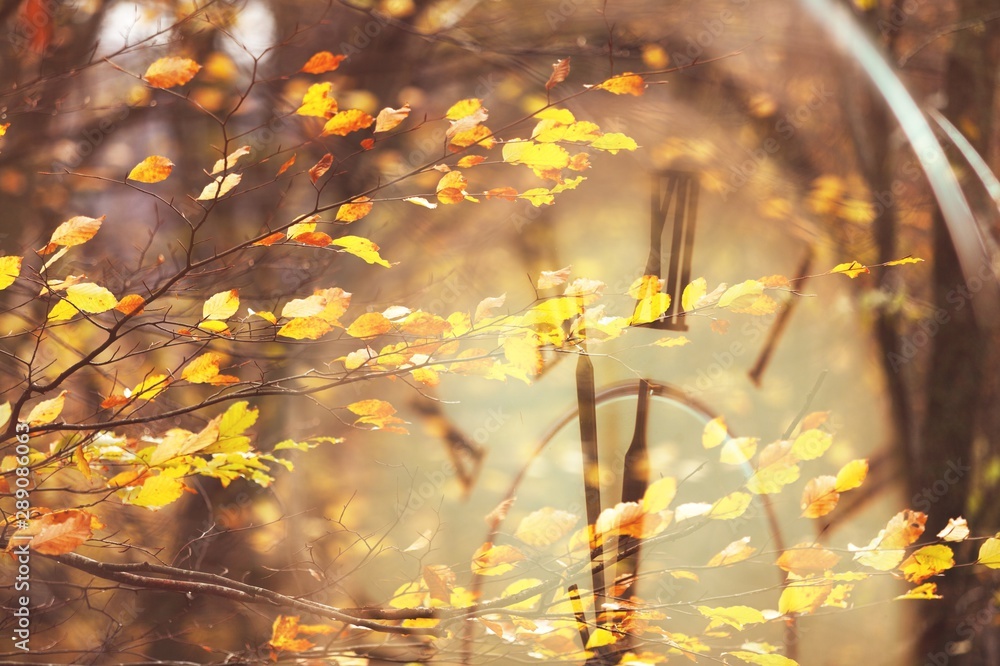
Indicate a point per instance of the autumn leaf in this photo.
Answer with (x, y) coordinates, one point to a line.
(714, 433)
(463, 109)
(74, 231)
(317, 171)
(369, 325)
(479, 135)
(811, 444)
(819, 497)
(737, 551)
(490, 560)
(322, 62)
(284, 634)
(171, 71)
(230, 161)
(736, 617)
(549, 279)
(659, 495)
(355, 210)
(957, 529)
(803, 598)
(47, 411)
(377, 413)
(318, 102)
(544, 527)
(10, 269)
(730, 507)
(807, 559)
(420, 201)
(150, 387)
(314, 238)
(305, 328)
(83, 297)
(612, 142)
(56, 533)
(887, 550)
(925, 591)
(738, 450)
(693, 293)
(851, 269)
(390, 118)
(851, 475)
(131, 304)
(926, 562)
(560, 70)
(362, 248)
(904, 260)
(153, 169)
(286, 165)
(989, 553)
(205, 370)
(624, 84)
(763, 659)
(220, 186)
(345, 122)
(221, 306)
(776, 468)
(179, 442)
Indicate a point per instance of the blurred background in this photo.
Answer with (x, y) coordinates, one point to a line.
(800, 166)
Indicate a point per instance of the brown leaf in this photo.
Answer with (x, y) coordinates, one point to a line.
(560, 70)
(317, 170)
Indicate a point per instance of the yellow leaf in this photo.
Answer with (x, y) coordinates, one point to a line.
(230, 161)
(86, 297)
(612, 142)
(811, 444)
(153, 169)
(220, 186)
(221, 306)
(819, 497)
(545, 159)
(601, 637)
(731, 506)
(47, 411)
(463, 109)
(389, 118)
(763, 659)
(957, 529)
(522, 352)
(171, 71)
(802, 598)
(659, 495)
(538, 197)
(369, 325)
(76, 230)
(377, 413)
(926, 562)
(650, 308)
(989, 553)
(305, 328)
(735, 552)
(851, 475)
(345, 122)
(150, 387)
(355, 210)
(156, 492)
(322, 62)
(678, 341)
(807, 559)
(904, 260)
(736, 617)
(203, 369)
(693, 293)
(544, 527)
(318, 101)
(490, 560)
(851, 269)
(742, 295)
(715, 433)
(362, 248)
(10, 269)
(925, 591)
(624, 84)
(217, 327)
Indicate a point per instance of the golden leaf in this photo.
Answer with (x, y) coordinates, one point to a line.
(389, 118)
(47, 411)
(171, 71)
(317, 102)
(363, 248)
(355, 210)
(819, 497)
(56, 533)
(345, 122)
(10, 269)
(322, 62)
(624, 84)
(153, 169)
(221, 306)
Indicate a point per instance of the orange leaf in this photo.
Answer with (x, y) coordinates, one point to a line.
(505, 193)
(153, 169)
(355, 210)
(819, 497)
(284, 633)
(368, 143)
(471, 161)
(131, 304)
(321, 62)
(346, 122)
(560, 70)
(58, 532)
(171, 71)
(887, 550)
(203, 369)
(314, 238)
(317, 170)
(271, 240)
(377, 413)
(624, 84)
(287, 165)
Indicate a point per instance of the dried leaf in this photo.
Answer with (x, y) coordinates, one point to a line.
(153, 169)
(390, 118)
(560, 70)
(322, 62)
(171, 71)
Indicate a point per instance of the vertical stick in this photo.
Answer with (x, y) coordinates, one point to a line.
(586, 395)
